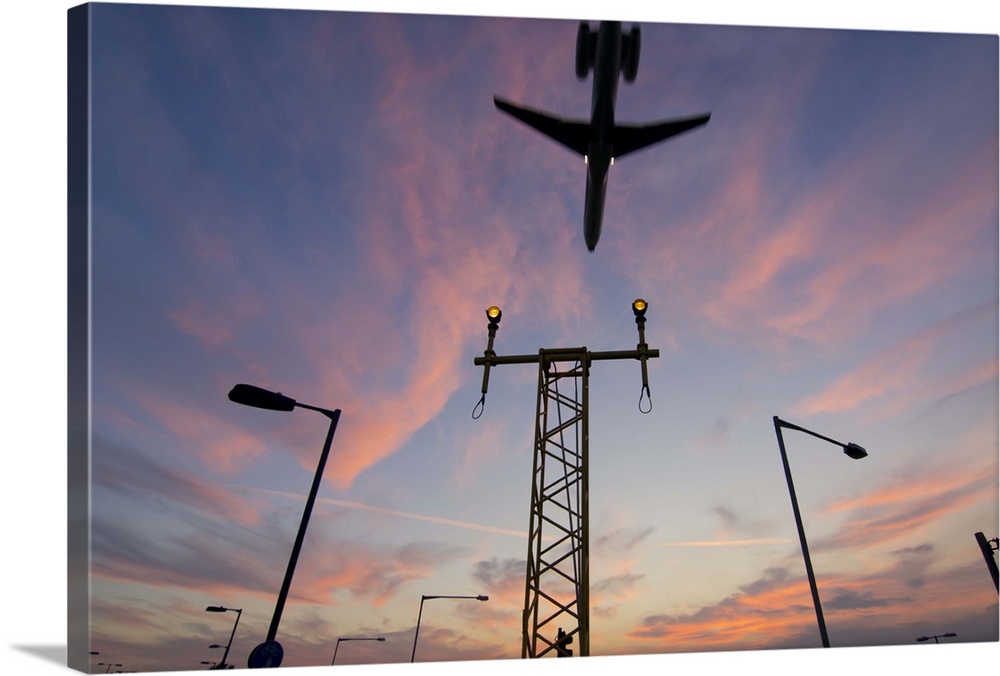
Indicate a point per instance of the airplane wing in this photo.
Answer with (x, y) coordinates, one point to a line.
(573, 134)
(629, 138)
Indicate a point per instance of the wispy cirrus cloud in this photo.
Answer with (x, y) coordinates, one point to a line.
(899, 371)
(617, 552)
(135, 472)
(908, 506)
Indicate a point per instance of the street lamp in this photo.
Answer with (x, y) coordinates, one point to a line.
(105, 664)
(249, 395)
(362, 638)
(851, 450)
(419, 614)
(950, 634)
(222, 609)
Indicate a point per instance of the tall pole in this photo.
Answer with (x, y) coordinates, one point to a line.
(413, 654)
(802, 536)
(424, 597)
(239, 613)
(334, 416)
(991, 564)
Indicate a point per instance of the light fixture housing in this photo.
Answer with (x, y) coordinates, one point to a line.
(639, 307)
(258, 397)
(854, 451)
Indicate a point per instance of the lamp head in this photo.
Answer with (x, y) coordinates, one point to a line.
(923, 638)
(855, 452)
(250, 395)
(493, 314)
(380, 638)
(482, 598)
(639, 307)
(950, 634)
(216, 609)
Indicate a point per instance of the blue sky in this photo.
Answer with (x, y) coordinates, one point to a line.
(325, 203)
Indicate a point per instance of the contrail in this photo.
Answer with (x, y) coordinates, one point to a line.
(727, 543)
(405, 515)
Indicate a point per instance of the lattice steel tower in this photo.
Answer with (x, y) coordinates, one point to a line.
(557, 582)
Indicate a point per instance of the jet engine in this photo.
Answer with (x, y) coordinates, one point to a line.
(630, 54)
(586, 47)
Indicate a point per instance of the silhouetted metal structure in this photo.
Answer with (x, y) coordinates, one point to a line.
(352, 638)
(270, 653)
(557, 580)
(425, 597)
(988, 546)
(232, 635)
(852, 451)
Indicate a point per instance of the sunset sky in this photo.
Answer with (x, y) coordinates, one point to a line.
(324, 203)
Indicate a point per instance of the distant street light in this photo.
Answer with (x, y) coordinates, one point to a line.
(362, 638)
(108, 670)
(419, 614)
(853, 451)
(950, 634)
(249, 395)
(222, 609)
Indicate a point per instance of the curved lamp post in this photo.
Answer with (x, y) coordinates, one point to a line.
(222, 609)
(361, 638)
(419, 614)
(950, 634)
(851, 450)
(250, 395)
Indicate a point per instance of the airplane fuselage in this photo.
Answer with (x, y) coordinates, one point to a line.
(600, 149)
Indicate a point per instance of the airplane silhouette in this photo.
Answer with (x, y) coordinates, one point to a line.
(600, 141)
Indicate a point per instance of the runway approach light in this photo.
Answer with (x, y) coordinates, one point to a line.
(493, 314)
(639, 307)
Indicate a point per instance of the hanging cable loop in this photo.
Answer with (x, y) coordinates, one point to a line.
(479, 407)
(644, 393)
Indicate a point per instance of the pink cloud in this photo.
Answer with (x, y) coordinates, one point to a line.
(900, 371)
(222, 446)
(819, 264)
(909, 506)
(776, 611)
(215, 322)
(391, 368)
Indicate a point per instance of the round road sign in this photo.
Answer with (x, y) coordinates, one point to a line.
(266, 656)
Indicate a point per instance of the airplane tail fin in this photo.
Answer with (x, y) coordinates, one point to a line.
(573, 134)
(629, 138)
